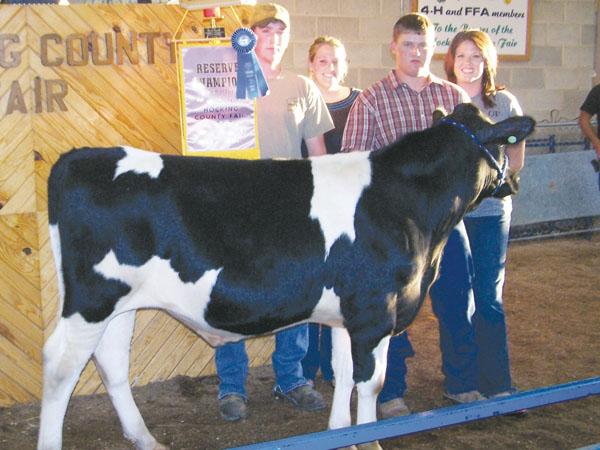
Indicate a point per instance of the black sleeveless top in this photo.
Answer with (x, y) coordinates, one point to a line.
(339, 114)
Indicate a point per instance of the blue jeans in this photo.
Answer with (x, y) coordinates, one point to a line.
(453, 304)
(318, 355)
(489, 241)
(290, 347)
(394, 386)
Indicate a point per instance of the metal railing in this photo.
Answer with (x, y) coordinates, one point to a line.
(555, 136)
(443, 417)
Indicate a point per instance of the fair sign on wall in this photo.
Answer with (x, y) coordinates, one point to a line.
(508, 22)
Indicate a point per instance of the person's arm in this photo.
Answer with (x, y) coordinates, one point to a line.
(516, 156)
(316, 145)
(359, 131)
(585, 123)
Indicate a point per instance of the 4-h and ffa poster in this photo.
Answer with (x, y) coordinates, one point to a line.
(508, 22)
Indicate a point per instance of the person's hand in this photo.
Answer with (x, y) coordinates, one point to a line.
(596, 145)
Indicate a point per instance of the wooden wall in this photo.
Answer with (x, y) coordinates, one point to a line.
(62, 87)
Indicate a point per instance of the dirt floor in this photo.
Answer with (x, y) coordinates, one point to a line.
(553, 305)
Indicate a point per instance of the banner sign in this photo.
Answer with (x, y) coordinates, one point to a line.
(508, 22)
(214, 121)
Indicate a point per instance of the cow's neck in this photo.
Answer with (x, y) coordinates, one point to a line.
(435, 186)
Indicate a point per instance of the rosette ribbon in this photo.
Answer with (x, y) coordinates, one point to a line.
(251, 82)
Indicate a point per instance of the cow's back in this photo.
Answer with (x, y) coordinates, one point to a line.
(247, 219)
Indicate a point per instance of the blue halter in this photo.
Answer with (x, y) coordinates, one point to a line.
(501, 170)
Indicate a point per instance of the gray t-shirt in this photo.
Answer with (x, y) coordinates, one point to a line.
(293, 110)
(506, 106)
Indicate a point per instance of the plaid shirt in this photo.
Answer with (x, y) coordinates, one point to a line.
(390, 109)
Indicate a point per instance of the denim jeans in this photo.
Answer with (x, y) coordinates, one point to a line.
(318, 355)
(452, 302)
(290, 347)
(488, 236)
(394, 386)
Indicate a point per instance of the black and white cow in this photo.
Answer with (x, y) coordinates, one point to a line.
(237, 248)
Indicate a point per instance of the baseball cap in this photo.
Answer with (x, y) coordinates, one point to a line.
(265, 13)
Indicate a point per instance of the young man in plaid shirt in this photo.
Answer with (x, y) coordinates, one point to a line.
(401, 103)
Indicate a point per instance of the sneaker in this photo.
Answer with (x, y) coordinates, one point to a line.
(465, 397)
(304, 397)
(233, 407)
(518, 413)
(393, 408)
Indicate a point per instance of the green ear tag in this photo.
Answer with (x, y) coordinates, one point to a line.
(512, 139)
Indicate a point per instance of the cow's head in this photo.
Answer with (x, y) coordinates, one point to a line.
(490, 138)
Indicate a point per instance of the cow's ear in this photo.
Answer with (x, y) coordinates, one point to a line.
(439, 114)
(509, 131)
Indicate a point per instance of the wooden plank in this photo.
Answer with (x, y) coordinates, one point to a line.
(26, 372)
(18, 249)
(203, 363)
(155, 337)
(194, 347)
(142, 319)
(17, 326)
(129, 84)
(160, 366)
(21, 333)
(163, 68)
(262, 355)
(148, 341)
(11, 15)
(12, 392)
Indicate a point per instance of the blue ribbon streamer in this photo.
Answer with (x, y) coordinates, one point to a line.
(251, 82)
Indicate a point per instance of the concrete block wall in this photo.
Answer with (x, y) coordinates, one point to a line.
(550, 86)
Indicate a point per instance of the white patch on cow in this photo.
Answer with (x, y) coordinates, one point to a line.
(328, 309)
(140, 162)
(156, 285)
(343, 370)
(339, 181)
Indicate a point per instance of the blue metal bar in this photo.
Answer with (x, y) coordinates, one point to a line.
(443, 417)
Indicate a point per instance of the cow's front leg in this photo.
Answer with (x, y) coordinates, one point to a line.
(341, 361)
(369, 366)
(112, 360)
(369, 390)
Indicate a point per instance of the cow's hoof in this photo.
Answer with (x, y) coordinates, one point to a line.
(370, 446)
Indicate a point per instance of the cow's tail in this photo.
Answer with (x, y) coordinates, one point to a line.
(56, 181)
(55, 188)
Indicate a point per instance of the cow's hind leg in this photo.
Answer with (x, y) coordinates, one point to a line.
(66, 353)
(112, 361)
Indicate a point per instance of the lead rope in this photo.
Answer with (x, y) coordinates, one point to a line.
(501, 170)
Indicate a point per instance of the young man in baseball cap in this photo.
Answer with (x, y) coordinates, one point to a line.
(294, 110)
